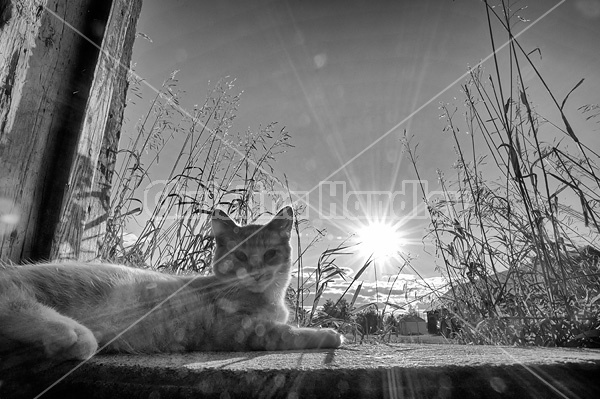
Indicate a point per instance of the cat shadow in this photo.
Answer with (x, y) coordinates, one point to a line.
(221, 360)
(23, 358)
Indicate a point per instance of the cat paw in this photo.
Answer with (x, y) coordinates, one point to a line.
(68, 342)
(322, 338)
(330, 338)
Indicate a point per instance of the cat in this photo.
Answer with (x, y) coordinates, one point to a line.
(71, 310)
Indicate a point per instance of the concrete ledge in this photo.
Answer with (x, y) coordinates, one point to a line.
(360, 371)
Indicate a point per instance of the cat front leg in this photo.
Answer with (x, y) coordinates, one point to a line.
(276, 336)
(29, 323)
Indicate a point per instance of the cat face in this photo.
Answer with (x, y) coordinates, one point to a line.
(256, 256)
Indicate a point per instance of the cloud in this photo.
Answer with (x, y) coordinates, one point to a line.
(408, 291)
(335, 291)
(401, 276)
(588, 8)
(129, 239)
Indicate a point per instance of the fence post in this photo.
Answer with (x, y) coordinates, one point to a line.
(62, 89)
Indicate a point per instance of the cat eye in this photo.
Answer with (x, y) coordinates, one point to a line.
(241, 256)
(269, 255)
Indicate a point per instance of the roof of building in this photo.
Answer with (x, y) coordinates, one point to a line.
(411, 318)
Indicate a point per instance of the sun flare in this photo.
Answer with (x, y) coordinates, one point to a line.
(380, 240)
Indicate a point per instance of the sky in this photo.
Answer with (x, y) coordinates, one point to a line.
(346, 78)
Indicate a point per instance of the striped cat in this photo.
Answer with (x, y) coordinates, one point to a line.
(70, 310)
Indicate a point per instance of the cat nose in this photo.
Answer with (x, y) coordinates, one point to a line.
(254, 260)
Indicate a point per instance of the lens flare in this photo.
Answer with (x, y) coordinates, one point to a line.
(380, 240)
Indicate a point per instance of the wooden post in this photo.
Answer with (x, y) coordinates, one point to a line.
(61, 106)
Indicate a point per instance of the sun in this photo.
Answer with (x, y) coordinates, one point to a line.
(379, 240)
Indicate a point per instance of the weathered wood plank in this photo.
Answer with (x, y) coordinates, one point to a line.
(47, 72)
(32, 76)
(83, 219)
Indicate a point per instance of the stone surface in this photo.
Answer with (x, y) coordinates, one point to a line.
(361, 371)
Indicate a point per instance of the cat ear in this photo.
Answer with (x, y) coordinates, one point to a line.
(283, 221)
(221, 223)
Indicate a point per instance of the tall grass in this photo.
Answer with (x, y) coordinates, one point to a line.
(518, 228)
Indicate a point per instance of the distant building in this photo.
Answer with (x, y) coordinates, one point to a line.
(412, 325)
